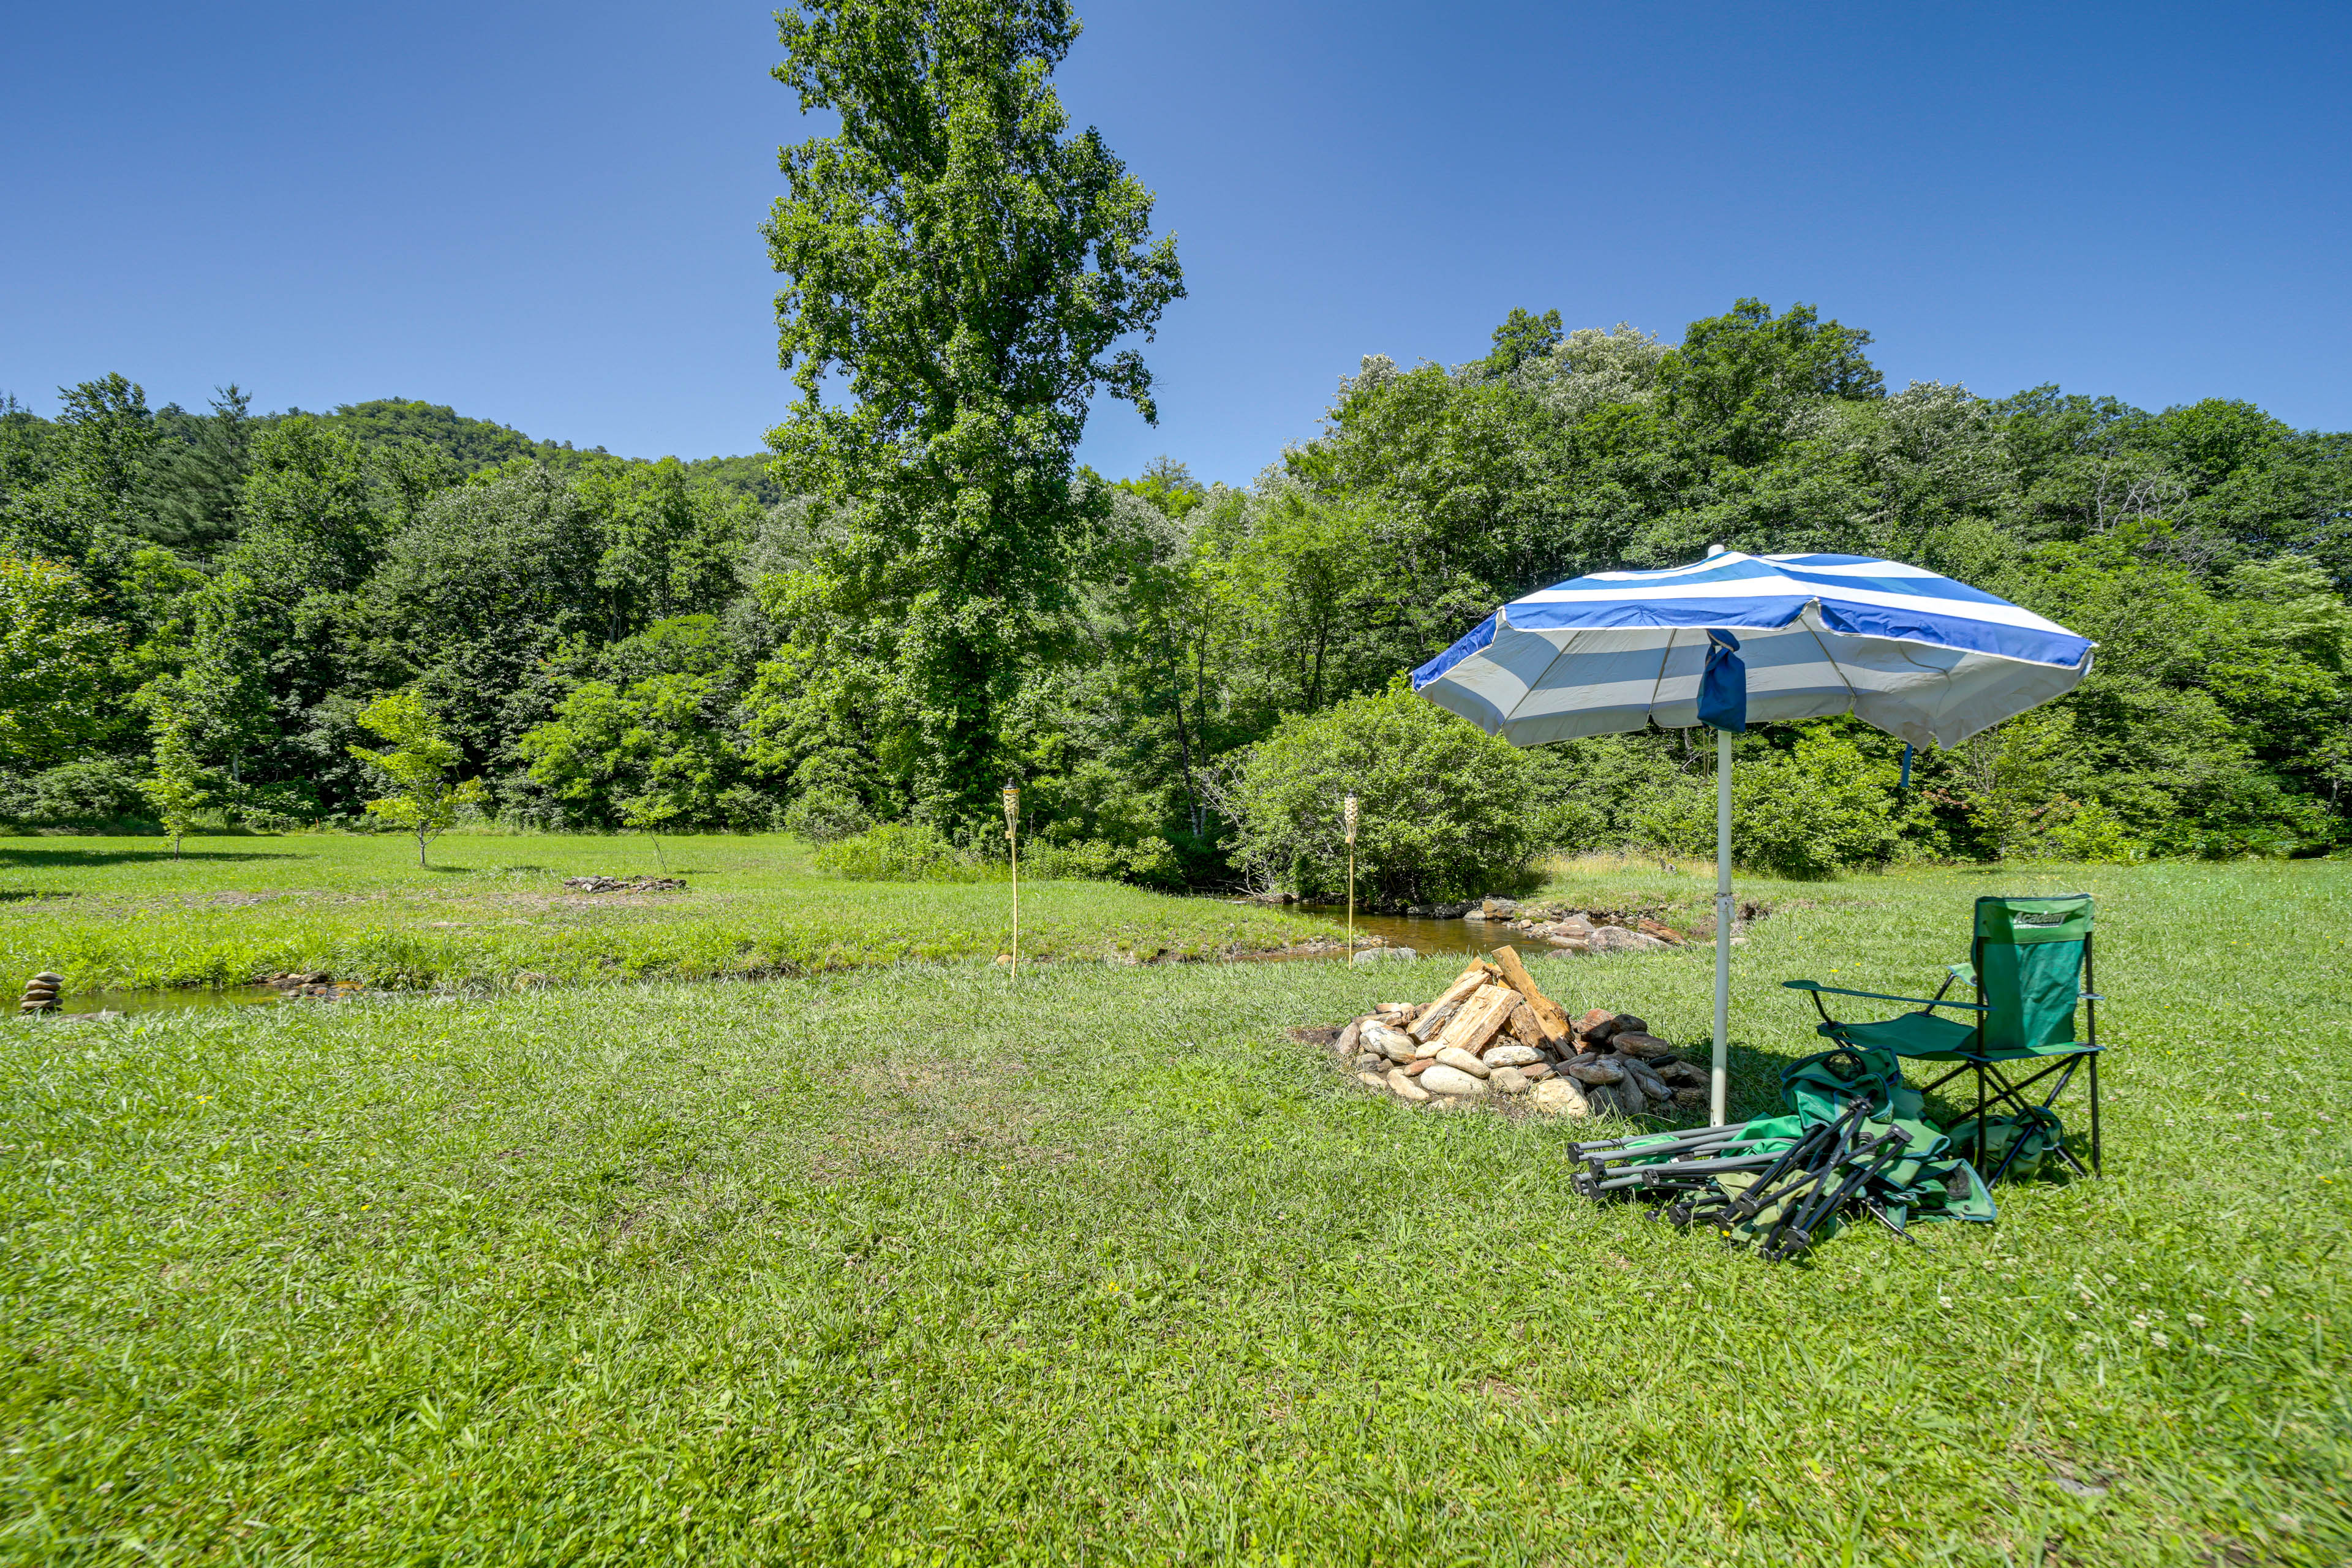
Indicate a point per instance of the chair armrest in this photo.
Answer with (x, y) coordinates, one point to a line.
(2090, 996)
(1880, 996)
(1963, 969)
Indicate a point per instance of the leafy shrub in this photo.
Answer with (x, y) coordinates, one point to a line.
(898, 852)
(1446, 808)
(1808, 813)
(1813, 811)
(915, 852)
(826, 813)
(1100, 860)
(93, 791)
(2085, 830)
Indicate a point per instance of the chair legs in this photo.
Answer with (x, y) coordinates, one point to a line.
(1992, 1090)
(2095, 1169)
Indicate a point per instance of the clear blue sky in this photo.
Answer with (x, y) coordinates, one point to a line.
(547, 214)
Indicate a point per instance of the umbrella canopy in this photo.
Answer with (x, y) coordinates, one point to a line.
(1918, 655)
(1738, 637)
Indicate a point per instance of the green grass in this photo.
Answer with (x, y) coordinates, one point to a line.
(121, 912)
(899, 1266)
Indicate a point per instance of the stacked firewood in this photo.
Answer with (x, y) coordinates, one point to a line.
(1494, 1034)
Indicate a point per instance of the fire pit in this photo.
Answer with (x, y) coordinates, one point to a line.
(1493, 1038)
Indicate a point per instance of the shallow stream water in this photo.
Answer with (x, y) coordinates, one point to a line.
(190, 999)
(1421, 935)
(1424, 935)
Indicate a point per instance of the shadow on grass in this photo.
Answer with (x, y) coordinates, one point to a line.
(15, 859)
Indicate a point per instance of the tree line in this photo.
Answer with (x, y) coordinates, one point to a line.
(918, 594)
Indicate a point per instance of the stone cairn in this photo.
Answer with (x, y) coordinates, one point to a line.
(41, 993)
(1493, 1035)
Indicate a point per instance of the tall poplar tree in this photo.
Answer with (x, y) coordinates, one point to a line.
(969, 269)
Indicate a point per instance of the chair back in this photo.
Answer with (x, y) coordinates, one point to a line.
(2029, 956)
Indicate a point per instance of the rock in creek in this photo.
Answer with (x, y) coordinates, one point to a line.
(1383, 955)
(1511, 1056)
(1461, 1061)
(1404, 1088)
(1441, 1079)
(1617, 939)
(1507, 1080)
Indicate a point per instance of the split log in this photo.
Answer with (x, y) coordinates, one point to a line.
(1523, 1026)
(1478, 1019)
(1433, 1017)
(1547, 1012)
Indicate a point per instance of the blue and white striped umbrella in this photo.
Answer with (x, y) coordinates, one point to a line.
(1919, 656)
(1738, 637)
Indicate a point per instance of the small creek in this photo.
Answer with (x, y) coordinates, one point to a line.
(190, 999)
(1421, 934)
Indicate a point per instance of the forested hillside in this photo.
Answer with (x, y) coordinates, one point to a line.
(687, 644)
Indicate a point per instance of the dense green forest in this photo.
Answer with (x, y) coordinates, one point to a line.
(918, 594)
(594, 631)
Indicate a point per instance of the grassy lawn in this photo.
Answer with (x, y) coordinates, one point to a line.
(897, 1266)
(121, 912)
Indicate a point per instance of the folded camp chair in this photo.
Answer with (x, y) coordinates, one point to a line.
(2030, 965)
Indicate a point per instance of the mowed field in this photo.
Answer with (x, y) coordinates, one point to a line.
(491, 909)
(901, 1264)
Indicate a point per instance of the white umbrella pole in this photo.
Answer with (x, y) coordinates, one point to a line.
(1717, 1087)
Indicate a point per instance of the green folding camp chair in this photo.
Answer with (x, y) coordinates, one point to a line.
(2030, 966)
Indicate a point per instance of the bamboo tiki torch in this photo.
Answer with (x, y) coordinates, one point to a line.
(1012, 815)
(1348, 821)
